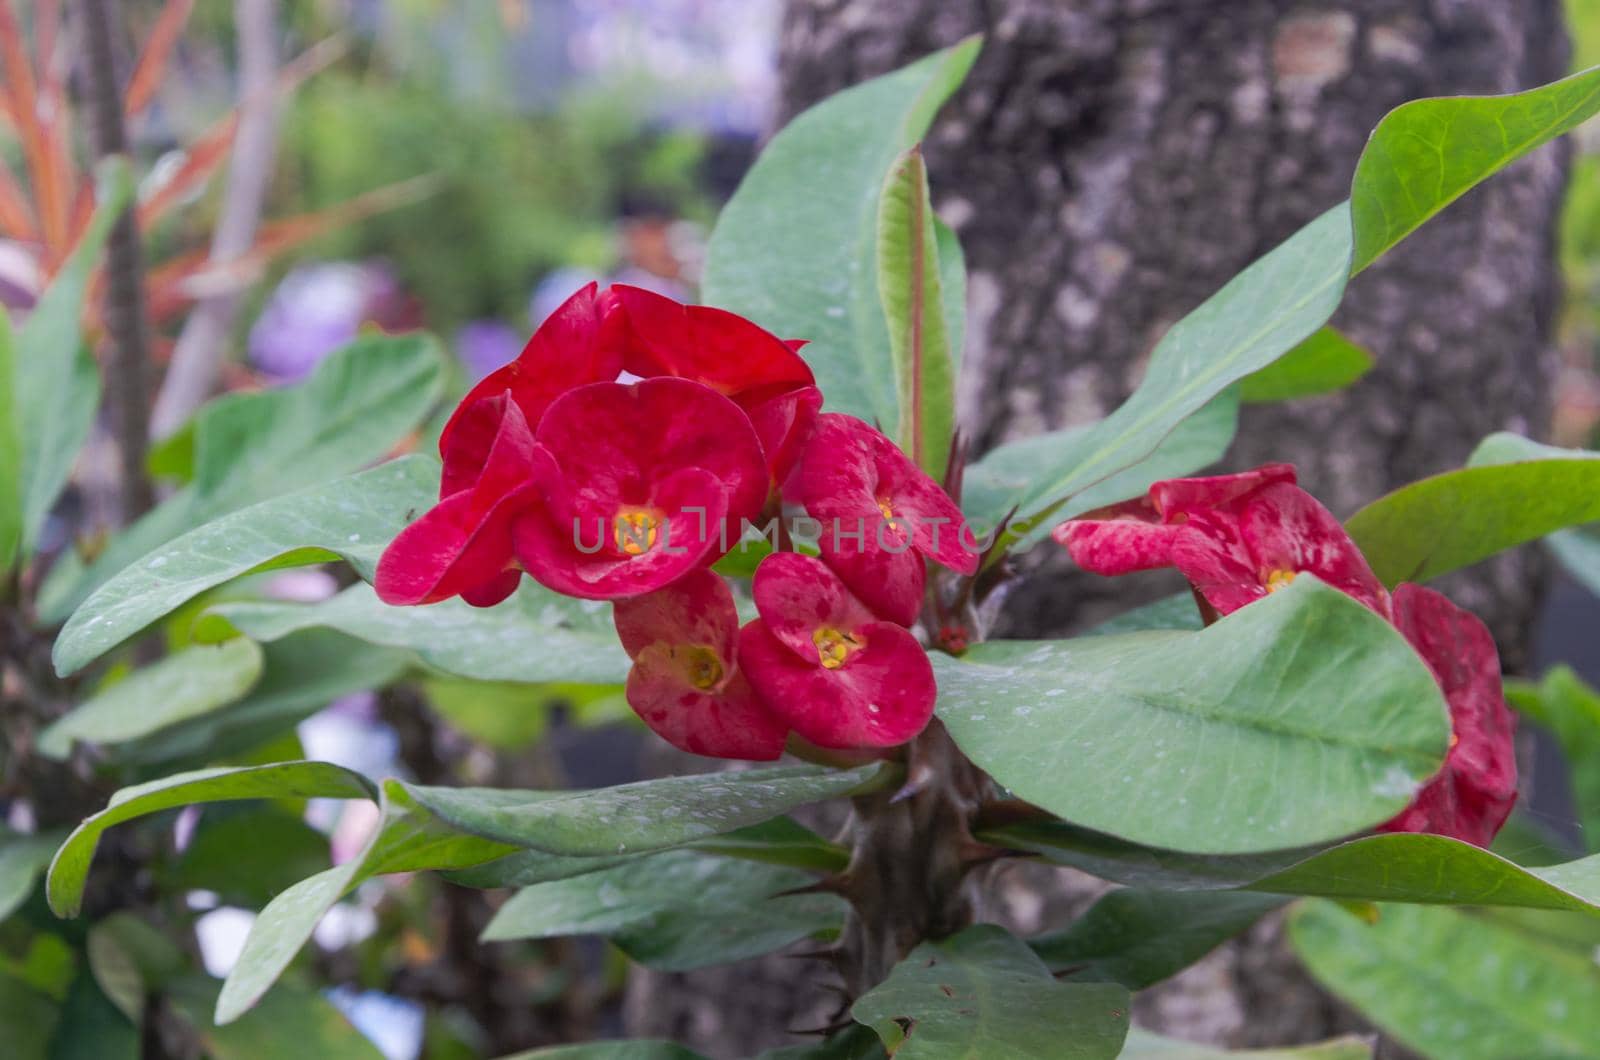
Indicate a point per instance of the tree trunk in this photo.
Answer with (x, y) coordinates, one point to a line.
(1111, 163)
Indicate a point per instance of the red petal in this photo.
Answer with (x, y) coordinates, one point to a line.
(1471, 796)
(882, 696)
(1120, 539)
(577, 556)
(696, 609)
(851, 471)
(712, 346)
(613, 442)
(731, 723)
(494, 590)
(464, 541)
(1208, 552)
(1286, 529)
(890, 583)
(797, 595)
(783, 422)
(1182, 495)
(572, 347)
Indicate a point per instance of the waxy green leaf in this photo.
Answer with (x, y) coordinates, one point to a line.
(282, 780)
(351, 518)
(1512, 491)
(646, 815)
(911, 290)
(182, 686)
(10, 450)
(1139, 937)
(983, 993)
(1143, 1045)
(675, 910)
(1389, 867)
(22, 859)
(1299, 719)
(536, 636)
(1452, 983)
(56, 388)
(1427, 153)
(1325, 362)
(795, 249)
(354, 409)
(407, 839)
(1569, 708)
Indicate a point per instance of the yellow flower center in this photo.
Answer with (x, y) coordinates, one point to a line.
(833, 646)
(883, 506)
(1278, 579)
(702, 667)
(636, 530)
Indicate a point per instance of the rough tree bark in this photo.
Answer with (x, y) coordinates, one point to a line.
(1110, 163)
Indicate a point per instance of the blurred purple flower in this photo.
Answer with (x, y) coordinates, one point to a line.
(318, 308)
(484, 345)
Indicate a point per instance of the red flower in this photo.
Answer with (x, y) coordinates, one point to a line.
(684, 683)
(575, 345)
(761, 373)
(462, 545)
(640, 484)
(1471, 796)
(873, 504)
(826, 665)
(1235, 537)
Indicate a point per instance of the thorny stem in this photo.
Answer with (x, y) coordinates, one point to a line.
(127, 371)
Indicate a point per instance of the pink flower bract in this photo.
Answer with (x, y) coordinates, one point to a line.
(826, 665)
(685, 682)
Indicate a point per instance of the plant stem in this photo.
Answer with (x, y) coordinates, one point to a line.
(910, 854)
(127, 370)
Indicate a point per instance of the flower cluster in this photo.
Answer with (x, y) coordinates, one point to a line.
(1238, 538)
(626, 450)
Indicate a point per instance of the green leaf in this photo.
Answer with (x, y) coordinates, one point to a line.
(1299, 719)
(10, 450)
(911, 290)
(795, 248)
(282, 780)
(182, 686)
(952, 286)
(1142, 1045)
(252, 447)
(1325, 362)
(779, 841)
(1425, 154)
(29, 1017)
(57, 383)
(674, 911)
(22, 859)
(351, 518)
(1177, 611)
(301, 674)
(647, 815)
(92, 1026)
(983, 993)
(999, 482)
(1139, 937)
(1389, 867)
(408, 839)
(1454, 984)
(1512, 491)
(1569, 708)
(536, 636)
